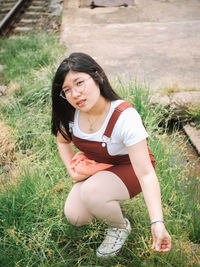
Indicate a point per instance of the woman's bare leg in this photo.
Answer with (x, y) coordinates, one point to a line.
(101, 194)
(75, 211)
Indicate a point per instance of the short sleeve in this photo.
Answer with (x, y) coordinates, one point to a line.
(129, 127)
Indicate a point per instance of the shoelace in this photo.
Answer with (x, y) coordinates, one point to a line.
(112, 233)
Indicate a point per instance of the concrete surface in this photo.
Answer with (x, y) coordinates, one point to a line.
(156, 41)
(179, 101)
(194, 136)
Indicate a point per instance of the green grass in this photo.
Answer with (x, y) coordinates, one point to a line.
(194, 113)
(33, 228)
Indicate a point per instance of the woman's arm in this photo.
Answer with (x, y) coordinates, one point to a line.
(65, 150)
(66, 153)
(144, 170)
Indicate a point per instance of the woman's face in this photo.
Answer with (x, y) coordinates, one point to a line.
(81, 91)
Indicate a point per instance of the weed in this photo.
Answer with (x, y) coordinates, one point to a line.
(194, 113)
(175, 88)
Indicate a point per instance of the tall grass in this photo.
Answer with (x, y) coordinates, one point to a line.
(33, 229)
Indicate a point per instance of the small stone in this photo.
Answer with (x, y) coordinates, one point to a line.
(7, 168)
(3, 89)
(192, 124)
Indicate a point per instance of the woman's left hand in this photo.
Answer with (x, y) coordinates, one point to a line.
(77, 177)
(161, 238)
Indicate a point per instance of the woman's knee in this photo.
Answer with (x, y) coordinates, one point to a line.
(72, 218)
(90, 193)
(76, 216)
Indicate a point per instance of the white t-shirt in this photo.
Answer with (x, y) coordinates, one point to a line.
(128, 130)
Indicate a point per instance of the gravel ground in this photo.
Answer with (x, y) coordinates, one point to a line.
(53, 21)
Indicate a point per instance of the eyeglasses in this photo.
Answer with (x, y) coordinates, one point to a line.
(79, 88)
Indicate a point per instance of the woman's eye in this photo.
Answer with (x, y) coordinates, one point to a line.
(79, 83)
(66, 90)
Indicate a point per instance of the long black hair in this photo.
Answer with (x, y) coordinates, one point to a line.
(62, 110)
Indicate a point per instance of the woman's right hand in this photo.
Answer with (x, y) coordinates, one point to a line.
(77, 177)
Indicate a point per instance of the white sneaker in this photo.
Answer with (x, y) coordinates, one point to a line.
(114, 241)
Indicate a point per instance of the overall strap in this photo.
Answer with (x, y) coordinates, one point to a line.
(116, 113)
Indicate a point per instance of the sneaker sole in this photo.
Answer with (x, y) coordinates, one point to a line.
(113, 254)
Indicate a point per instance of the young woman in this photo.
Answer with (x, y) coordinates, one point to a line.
(86, 111)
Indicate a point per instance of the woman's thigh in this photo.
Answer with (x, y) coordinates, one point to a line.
(104, 185)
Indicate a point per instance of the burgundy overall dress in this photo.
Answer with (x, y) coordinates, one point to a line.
(121, 164)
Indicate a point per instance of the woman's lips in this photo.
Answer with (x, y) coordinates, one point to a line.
(81, 103)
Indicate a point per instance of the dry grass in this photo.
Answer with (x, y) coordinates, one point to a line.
(8, 157)
(188, 249)
(12, 87)
(7, 144)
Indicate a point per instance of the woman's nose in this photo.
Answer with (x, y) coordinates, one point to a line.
(75, 93)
